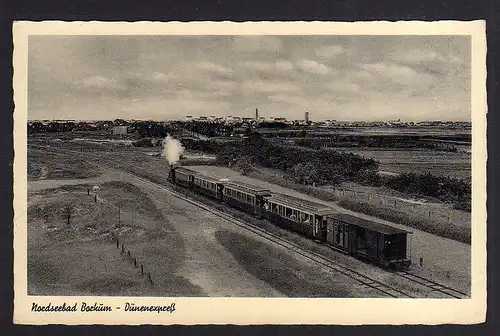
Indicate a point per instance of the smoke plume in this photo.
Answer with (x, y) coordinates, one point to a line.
(172, 150)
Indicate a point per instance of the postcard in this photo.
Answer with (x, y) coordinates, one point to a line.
(250, 173)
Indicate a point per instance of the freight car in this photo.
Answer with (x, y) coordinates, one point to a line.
(372, 241)
(382, 244)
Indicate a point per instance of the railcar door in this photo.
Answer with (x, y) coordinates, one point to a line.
(322, 230)
(330, 231)
(259, 204)
(220, 189)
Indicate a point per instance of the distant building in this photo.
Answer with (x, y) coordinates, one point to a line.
(280, 119)
(119, 130)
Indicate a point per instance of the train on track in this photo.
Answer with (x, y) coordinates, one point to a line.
(378, 243)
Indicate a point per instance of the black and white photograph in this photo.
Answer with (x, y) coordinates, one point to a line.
(266, 165)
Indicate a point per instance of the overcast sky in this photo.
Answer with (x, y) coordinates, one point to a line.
(332, 77)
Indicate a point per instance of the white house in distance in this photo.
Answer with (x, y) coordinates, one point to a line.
(120, 130)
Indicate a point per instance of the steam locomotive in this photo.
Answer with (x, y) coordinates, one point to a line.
(377, 243)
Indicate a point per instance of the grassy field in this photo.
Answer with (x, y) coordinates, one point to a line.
(456, 165)
(43, 165)
(278, 269)
(82, 258)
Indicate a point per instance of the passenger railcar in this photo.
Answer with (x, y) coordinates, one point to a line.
(208, 186)
(246, 197)
(182, 176)
(299, 215)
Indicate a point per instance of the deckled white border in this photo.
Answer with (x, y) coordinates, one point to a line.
(255, 310)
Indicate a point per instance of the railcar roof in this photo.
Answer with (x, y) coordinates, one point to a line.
(300, 204)
(245, 187)
(368, 224)
(207, 178)
(186, 170)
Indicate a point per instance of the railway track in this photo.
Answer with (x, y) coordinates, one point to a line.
(432, 285)
(363, 279)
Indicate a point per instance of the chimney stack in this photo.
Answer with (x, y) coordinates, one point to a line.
(306, 118)
(256, 114)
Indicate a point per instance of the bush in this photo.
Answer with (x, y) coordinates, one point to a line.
(300, 165)
(447, 189)
(243, 166)
(144, 142)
